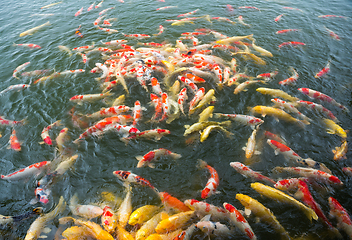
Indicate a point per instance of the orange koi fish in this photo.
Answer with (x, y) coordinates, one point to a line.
(187, 14)
(14, 143)
(172, 202)
(79, 12)
(286, 31)
(291, 44)
(278, 18)
(324, 71)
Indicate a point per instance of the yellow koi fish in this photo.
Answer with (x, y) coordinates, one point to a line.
(277, 93)
(206, 114)
(262, 51)
(34, 30)
(233, 39)
(143, 214)
(333, 128)
(207, 131)
(202, 125)
(125, 208)
(340, 152)
(282, 197)
(149, 226)
(207, 98)
(174, 222)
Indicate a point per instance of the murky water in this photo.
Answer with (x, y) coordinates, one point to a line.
(92, 174)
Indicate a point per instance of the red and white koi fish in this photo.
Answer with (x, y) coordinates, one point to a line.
(289, 184)
(105, 10)
(137, 113)
(41, 195)
(243, 119)
(91, 7)
(111, 111)
(67, 72)
(318, 95)
(291, 80)
(98, 20)
(155, 155)
(32, 170)
(241, 87)
(13, 142)
(239, 221)
(130, 177)
(275, 137)
(20, 68)
(182, 97)
(83, 48)
(172, 202)
(268, 76)
(249, 7)
(10, 123)
(332, 34)
(229, 8)
(157, 104)
(115, 42)
(16, 87)
(334, 16)
(45, 133)
(109, 219)
(161, 30)
(156, 86)
(286, 31)
(278, 17)
(289, 108)
(291, 8)
(198, 96)
(347, 171)
(202, 208)
(241, 20)
(99, 4)
(155, 134)
(167, 7)
(29, 45)
(165, 105)
(189, 83)
(247, 172)
(213, 181)
(290, 154)
(86, 211)
(318, 108)
(324, 71)
(312, 173)
(79, 12)
(341, 215)
(137, 36)
(304, 194)
(84, 57)
(123, 130)
(291, 44)
(223, 19)
(89, 97)
(108, 30)
(218, 72)
(187, 14)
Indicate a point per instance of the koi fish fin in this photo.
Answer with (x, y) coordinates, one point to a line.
(186, 126)
(125, 140)
(139, 158)
(201, 164)
(43, 236)
(46, 230)
(298, 195)
(330, 131)
(257, 152)
(164, 216)
(151, 165)
(244, 148)
(277, 152)
(247, 212)
(33, 201)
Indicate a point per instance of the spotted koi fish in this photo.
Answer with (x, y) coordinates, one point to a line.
(16, 87)
(45, 133)
(130, 177)
(198, 96)
(20, 68)
(187, 14)
(89, 97)
(182, 97)
(243, 119)
(318, 108)
(291, 80)
(289, 108)
(247, 172)
(155, 155)
(213, 181)
(32, 170)
(203, 208)
(324, 71)
(342, 216)
(293, 43)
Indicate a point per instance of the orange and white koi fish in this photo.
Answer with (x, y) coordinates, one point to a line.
(83, 48)
(312, 173)
(289, 108)
(91, 7)
(334, 16)
(189, 83)
(341, 215)
(153, 134)
(45, 133)
(279, 17)
(13, 142)
(249, 7)
(98, 20)
(157, 104)
(86, 211)
(323, 97)
(155, 155)
(213, 181)
(187, 14)
(34, 30)
(239, 221)
(111, 111)
(29, 45)
(137, 36)
(224, 19)
(290, 184)
(243, 119)
(324, 71)
(291, 80)
(89, 97)
(172, 202)
(286, 31)
(99, 4)
(20, 68)
(291, 44)
(16, 87)
(182, 97)
(137, 113)
(318, 108)
(108, 30)
(268, 76)
(241, 20)
(32, 170)
(10, 123)
(290, 154)
(247, 172)
(304, 194)
(156, 86)
(105, 10)
(198, 96)
(202, 209)
(165, 106)
(130, 177)
(161, 30)
(167, 7)
(79, 12)
(340, 152)
(275, 137)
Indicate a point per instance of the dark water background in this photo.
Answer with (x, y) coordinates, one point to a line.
(92, 173)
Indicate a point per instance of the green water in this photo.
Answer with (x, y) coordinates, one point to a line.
(92, 173)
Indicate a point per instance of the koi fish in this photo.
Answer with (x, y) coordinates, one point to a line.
(108, 30)
(347, 170)
(275, 137)
(243, 119)
(241, 20)
(206, 114)
(108, 220)
(164, 8)
(340, 152)
(13, 142)
(189, 13)
(188, 83)
(91, 7)
(250, 148)
(205, 134)
(125, 209)
(79, 12)
(86, 211)
(286, 31)
(340, 213)
(143, 214)
(233, 39)
(130, 177)
(252, 205)
(267, 76)
(247, 172)
(105, 10)
(333, 128)
(155, 155)
(78, 32)
(172, 202)
(318, 108)
(50, 5)
(20, 68)
(34, 30)
(324, 71)
(334, 16)
(155, 134)
(29, 45)
(224, 19)
(173, 222)
(202, 125)
(137, 36)
(277, 93)
(312, 173)
(32, 170)
(261, 50)
(289, 108)
(182, 97)
(242, 86)
(279, 17)
(291, 44)
(10, 219)
(16, 87)
(213, 228)
(65, 49)
(213, 181)
(318, 95)
(208, 97)
(89, 97)
(6, 122)
(99, 4)
(148, 227)
(38, 225)
(198, 96)
(290, 154)
(45, 133)
(291, 80)
(282, 197)
(203, 209)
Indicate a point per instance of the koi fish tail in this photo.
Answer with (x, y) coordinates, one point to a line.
(278, 169)
(65, 220)
(201, 164)
(23, 121)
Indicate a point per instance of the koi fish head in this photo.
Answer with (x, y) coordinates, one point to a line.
(42, 195)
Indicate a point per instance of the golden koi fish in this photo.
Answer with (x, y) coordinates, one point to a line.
(207, 131)
(233, 39)
(340, 152)
(277, 93)
(202, 125)
(34, 30)
(333, 128)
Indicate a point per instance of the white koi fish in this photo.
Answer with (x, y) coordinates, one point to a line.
(34, 30)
